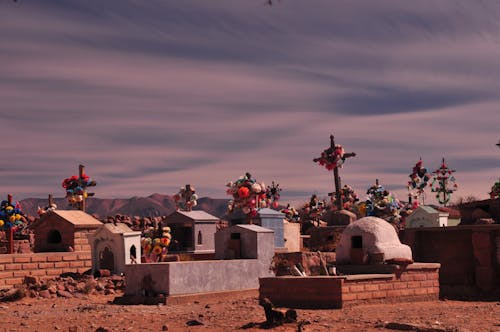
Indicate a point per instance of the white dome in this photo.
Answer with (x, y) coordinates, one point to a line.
(378, 236)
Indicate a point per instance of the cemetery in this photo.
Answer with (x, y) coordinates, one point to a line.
(324, 255)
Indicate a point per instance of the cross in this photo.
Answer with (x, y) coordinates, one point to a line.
(83, 183)
(336, 177)
(10, 233)
(188, 192)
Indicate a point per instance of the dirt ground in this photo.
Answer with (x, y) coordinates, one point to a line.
(95, 313)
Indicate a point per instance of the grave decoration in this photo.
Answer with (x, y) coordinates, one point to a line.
(273, 195)
(76, 189)
(155, 244)
(348, 196)
(495, 190)
(443, 183)
(381, 203)
(249, 195)
(291, 214)
(419, 179)
(51, 206)
(186, 198)
(333, 158)
(12, 217)
(313, 211)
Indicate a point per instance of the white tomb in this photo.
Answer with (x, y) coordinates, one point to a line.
(372, 238)
(113, 246)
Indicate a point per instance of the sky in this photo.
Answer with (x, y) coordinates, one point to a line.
(152, 95)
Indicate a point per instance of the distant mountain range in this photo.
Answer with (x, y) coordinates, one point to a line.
(151, 206)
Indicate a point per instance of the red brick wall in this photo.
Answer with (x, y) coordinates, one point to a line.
(414, 284)
(14, 267)
(302, 292)
(468, 256)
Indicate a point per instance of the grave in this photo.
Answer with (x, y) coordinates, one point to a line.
(370, 239)
(371, 266)
(427, 216)
(244, 254)
(267, 218)
(113, 246)
(64, 230)
(192, 231)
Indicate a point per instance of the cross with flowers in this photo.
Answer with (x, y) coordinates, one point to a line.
(76, 188)
(332, 158)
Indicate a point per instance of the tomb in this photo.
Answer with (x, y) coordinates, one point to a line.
(244, 253)
(113, 246)
(370, 239)
(427, 216)
(64, 230)
(267, 218)
(371, 266)
(192, 231)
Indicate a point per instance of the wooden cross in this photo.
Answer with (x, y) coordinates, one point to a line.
(10, 233)
(338, 195)
(83, 183)
(188, 192)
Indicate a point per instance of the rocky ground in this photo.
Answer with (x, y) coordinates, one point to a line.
(91, 310)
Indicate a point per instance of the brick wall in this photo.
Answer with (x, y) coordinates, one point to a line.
(418, 282)
(469, 256)
(412, 285)
(303, 292)
(81, 240)
(14, 267)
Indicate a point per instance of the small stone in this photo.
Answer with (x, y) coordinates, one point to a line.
(101, 329)
(63, 293)
(31, 280)
(193, 322)
(109, 292)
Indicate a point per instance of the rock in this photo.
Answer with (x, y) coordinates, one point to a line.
(52, 289)
(102, 329)
(164, 327)
(290, 316)
(193, 322)
(63, 293)
(13, 294)
(103, 273)
(109, 292)
(44, 293)
(31, 280)
(400, 326)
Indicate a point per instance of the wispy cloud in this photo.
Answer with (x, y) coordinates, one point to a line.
(154, 95)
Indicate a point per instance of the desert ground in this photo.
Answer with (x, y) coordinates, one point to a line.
(96, 313)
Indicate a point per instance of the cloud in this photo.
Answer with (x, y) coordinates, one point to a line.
(150, 96)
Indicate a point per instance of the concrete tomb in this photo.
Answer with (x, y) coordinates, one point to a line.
(244, 253)
(426, 216)
(192, 231)
(267, 218)
(113, 246)
(370, 239)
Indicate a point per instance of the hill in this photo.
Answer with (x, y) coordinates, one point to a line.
(153, 205)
